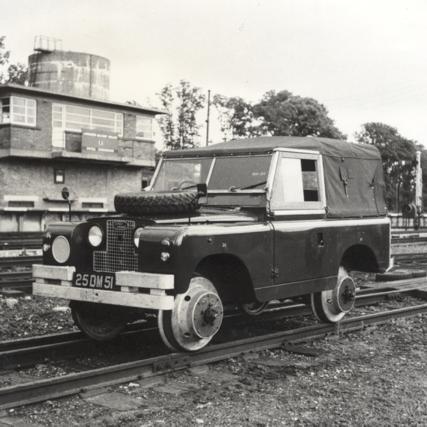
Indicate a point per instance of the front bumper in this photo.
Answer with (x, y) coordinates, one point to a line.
(56, 281)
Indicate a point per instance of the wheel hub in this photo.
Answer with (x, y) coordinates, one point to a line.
(331, 305)
(346, 294)
(206, 317)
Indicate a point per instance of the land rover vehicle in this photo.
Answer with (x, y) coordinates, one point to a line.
(243, 222)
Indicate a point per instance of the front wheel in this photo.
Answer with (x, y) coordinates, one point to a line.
(100, 322)
(195, 319)
(332, 305)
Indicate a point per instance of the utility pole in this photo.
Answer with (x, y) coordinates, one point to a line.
(207, 117)
(419, 183)
(418, 193)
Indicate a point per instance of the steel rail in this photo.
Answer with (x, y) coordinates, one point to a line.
(71, 384)
(12, 347)
(25, 260)
(30, 350)
(415, 259)
(15, 275)
(16, 279)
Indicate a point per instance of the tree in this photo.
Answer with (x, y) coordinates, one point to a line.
(236, 117)
(10, 72)
(398, 158)
(4, 54)
(179, 125)
(280, 113)
(17, 74)
(283, 113)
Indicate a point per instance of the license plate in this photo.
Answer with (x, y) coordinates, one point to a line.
(94, 281)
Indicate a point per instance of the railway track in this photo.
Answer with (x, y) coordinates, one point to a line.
(16, 279)
(411, 259)
(70, 384)
(21, 240)
(21, 261)
(30, 350)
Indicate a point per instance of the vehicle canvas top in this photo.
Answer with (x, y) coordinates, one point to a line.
(354, 183)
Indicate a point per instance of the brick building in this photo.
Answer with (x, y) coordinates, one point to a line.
(48, 140)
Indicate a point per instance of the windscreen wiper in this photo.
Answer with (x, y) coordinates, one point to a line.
(247, 187)
(187, 187)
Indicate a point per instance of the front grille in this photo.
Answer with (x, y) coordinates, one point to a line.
(120, 249)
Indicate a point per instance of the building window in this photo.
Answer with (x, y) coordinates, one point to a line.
(59, 176)
(20, 204)
(144, 127)
(74, 118)
(92, 205)
(18, 111)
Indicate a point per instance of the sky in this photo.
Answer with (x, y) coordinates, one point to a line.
(365, 60)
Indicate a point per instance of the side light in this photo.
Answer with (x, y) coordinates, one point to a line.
(165, 242)
(164, 256)
(137, 235)
(61, 249)
(95, 236)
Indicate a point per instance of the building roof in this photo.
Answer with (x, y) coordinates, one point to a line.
(33, 91)
(266, 144)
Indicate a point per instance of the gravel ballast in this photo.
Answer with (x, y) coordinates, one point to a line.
(374, 377)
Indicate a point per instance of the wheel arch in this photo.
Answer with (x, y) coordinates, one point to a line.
(361, 258)
(230, 276)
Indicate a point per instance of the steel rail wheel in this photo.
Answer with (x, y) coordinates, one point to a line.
(332, 305)
(195, 319)
(98, 321)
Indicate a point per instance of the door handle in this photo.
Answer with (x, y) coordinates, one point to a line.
(320, 240)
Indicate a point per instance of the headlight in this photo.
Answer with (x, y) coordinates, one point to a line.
(60, 249)
(137, 235)
(95, 236)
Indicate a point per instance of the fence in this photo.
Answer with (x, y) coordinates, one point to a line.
(398, 221)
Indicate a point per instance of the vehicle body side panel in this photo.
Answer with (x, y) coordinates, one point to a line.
(312, 250)
(252, 244)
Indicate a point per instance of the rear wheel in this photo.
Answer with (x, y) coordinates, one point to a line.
(332, 305)
(98, 321)
(195, 319)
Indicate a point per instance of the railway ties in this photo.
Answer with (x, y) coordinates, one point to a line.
(137, 370)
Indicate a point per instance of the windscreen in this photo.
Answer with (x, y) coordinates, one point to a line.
(240, 173)
(179, 174)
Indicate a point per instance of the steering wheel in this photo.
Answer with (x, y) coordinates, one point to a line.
(185, 183)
